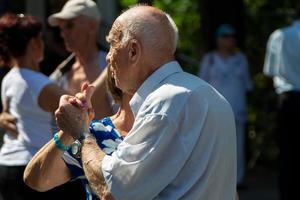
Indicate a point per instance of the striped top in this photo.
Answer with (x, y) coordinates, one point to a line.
(108, 139)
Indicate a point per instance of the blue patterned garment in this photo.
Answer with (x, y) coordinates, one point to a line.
(108, 139)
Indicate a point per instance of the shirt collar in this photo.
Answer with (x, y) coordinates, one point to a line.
(152, 83)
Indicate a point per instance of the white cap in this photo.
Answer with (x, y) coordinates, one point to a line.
(75, 8)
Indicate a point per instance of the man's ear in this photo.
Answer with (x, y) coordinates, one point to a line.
(135, 51)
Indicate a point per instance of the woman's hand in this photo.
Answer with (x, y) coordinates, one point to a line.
(8, 123)
(75, 113)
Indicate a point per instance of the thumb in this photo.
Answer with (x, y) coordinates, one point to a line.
(88, 93)
(84, 86)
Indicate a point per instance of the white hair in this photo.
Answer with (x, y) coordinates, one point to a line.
(139, 25)
(175, 31)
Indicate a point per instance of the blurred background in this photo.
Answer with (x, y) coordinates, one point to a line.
(197, 21)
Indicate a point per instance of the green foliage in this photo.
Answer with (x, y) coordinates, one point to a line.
(127, 3)
(187, 18)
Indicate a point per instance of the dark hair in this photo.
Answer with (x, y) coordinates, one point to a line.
(15, 33)
(115, 92)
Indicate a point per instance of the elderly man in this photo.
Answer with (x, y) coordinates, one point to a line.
(182, 143)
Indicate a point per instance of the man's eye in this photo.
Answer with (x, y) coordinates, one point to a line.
(69, 25)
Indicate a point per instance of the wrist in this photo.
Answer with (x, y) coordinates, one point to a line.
(59, 143)
(84, 135)
(77, 145)
(65, 138)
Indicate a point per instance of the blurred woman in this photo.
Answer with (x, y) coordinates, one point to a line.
(29, 96)
(226, 68)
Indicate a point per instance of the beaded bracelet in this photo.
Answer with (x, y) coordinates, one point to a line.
(58, 143)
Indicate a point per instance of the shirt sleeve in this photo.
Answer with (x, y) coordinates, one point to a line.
(151, 156)
(271, 64)
(37, 82)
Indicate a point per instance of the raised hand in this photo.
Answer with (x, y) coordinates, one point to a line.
(73, 116)
(83, 99)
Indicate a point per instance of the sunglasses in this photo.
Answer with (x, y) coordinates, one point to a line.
(228, 36)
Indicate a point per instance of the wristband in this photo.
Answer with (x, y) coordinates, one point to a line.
(58, 143)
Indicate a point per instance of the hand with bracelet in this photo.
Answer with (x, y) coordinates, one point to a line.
(74, 113)
(73, 118)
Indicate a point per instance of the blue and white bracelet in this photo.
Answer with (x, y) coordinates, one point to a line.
(59, 144)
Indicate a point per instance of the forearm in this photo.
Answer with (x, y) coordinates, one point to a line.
(92, 157)
(46, 169)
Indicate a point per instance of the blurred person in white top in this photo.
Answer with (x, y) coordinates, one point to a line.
(282, 64)
(226, 69)
(29, 97)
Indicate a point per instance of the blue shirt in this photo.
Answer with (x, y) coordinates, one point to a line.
(282, 61)
(107, 137)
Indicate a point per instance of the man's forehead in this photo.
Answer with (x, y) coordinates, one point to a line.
(117, 26)
(115, 30)
(72, 20)
(65, 21)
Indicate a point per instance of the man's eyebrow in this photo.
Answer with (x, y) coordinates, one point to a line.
(108, 39)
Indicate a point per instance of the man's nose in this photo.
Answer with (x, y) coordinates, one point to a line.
(63, 32)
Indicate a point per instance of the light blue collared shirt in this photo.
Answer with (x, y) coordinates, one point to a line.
(282, 60)
(182, 143)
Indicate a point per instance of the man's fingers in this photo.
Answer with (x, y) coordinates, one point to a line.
(85, 96)
(8, 117)
(80, 96)
(12, 130)
(12, 119)
(6, 105)
(64, 99)
(78, 103)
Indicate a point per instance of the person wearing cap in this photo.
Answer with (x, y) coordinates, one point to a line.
(79, 22)
(226, 69)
